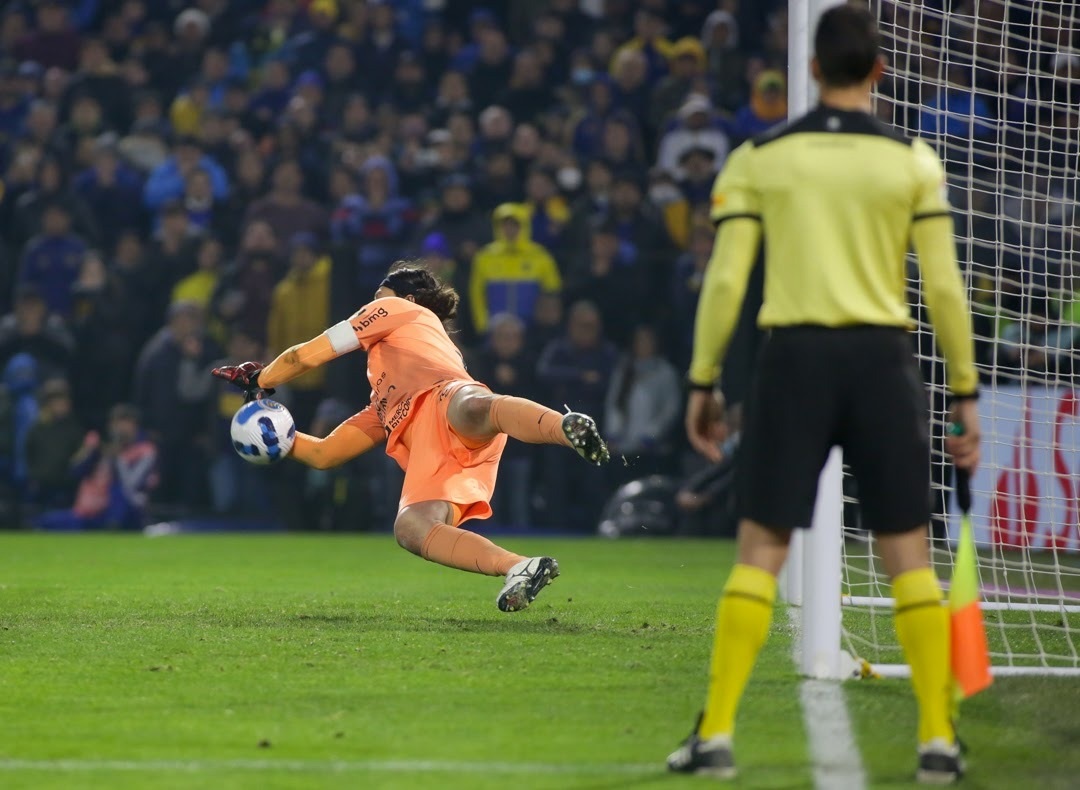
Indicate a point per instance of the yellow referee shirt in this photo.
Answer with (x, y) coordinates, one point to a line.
(839, 197)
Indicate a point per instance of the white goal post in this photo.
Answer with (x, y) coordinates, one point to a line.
(1011, 184)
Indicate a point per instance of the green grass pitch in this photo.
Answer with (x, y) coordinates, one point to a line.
(301, 662)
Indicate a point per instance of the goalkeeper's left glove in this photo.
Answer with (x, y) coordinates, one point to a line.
(246, 377)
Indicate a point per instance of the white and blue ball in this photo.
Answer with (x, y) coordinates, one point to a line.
(263, 432)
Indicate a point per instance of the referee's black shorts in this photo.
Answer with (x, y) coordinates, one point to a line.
(815, 388)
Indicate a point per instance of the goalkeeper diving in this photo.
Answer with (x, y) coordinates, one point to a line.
(446, 430)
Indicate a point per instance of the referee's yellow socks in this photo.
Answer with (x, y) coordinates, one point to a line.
(742, 624)
(922, 626)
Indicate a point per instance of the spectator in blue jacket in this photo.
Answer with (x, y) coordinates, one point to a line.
(167, 180)
(51, 261)
(378, 221)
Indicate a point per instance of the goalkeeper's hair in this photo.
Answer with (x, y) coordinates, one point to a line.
(846, 45)
(408, 278)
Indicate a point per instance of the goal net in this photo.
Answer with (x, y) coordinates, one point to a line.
(994, 86)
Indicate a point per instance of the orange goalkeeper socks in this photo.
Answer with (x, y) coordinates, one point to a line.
(527, 421)
(467, 551)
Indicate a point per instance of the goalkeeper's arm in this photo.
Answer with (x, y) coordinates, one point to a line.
(352, 438)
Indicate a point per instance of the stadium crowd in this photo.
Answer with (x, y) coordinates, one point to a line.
(186, 183)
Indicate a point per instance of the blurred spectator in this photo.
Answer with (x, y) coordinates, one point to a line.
(726, 61)
(116, 475)
(452, 97)
(51, 260)
(199, 286)
(381, 48)
(687, 76)
(113, 192)
(630, 83)
(673, 204)
(464, 227)
(585, 128)
(411, 91)
(99, 77)
(644, 400)
(300, 310)
(615, 282)
(639, 225)
(167, 180)
(695, 127)
(685, 288)
(108, 327)
(377, 221)
(173, 393)
(31, 329)
(50, 188)
(547, 323)
(505, 365)
(649, 40)
(285, 208)
(767, 106)
(509, 273)
(170, 256)
(51, 445)
(575, 370)
(145, 145)
(52, 41)
(236, 487)
(547, 206)
(339, 66)
(18, 412)
(245, 289)
(527, 94)
(497, 182)
(307, 47)
(493, 63)
(698, 166)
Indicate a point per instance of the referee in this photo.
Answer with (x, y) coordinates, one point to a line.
(837, 197)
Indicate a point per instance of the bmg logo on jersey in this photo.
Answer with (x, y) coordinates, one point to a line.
(360, 321)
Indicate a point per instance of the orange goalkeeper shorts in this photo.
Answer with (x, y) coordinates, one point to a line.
(439, 465)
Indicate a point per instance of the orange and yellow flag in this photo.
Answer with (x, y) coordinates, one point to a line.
(970, 655)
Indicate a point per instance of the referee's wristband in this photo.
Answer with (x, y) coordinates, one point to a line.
(693, 385)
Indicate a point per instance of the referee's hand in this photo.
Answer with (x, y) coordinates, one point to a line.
(964, 448)
(705, 423)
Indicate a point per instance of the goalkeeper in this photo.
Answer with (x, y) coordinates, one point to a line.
(837, 196)
(446, 430)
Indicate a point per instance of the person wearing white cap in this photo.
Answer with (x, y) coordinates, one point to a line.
(695, 126)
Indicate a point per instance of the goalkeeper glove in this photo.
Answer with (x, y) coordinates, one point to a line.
(246, 377)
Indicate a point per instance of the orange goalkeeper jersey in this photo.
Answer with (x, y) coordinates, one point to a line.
(408, 351)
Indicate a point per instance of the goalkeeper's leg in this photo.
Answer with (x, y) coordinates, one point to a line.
(742, 625)
(478, 416)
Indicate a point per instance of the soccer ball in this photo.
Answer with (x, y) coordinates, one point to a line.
(262, 432)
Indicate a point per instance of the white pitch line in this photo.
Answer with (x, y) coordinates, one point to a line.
(836, 761)
(78, 765)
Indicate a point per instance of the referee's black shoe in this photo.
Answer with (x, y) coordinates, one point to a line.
(581, 430)
(939, 763)
(712, 757)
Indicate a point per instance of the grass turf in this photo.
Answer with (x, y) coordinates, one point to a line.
(295, 661)
(323, 649)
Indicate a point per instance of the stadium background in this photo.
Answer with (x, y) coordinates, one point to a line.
(191, 182)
